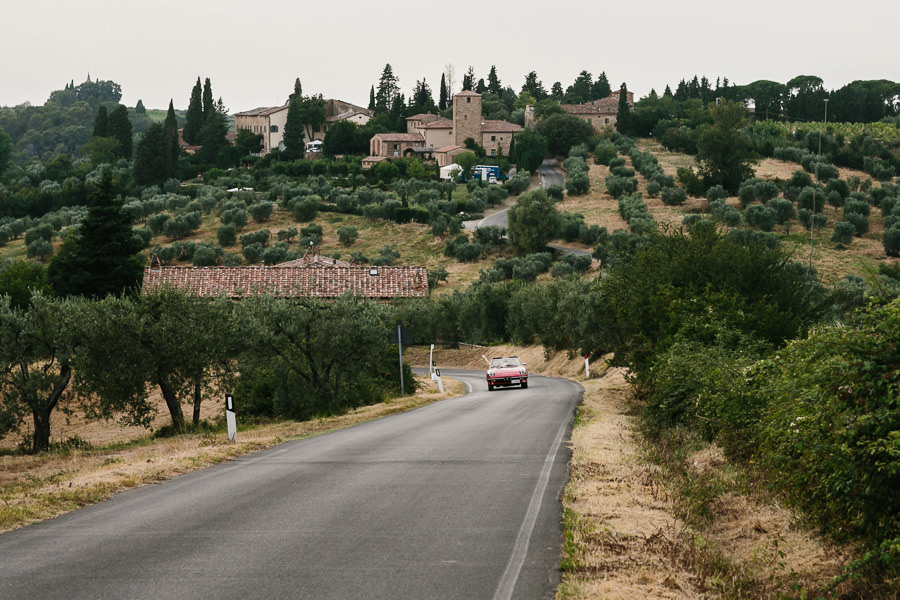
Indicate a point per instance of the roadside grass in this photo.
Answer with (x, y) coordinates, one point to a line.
(670, 517)
(43, 486)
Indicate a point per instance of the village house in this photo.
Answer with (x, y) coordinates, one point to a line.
(598, 114)
(269, 121)
(444, 139)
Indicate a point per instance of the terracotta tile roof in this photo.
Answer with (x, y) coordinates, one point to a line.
(314, 260)
(439, 124)
(373, 159)
(400, 137)
(424, 117)
(344, 116)
(466, 93)
(261, 112)
(292, 282)
(450, 148)
(500, 126)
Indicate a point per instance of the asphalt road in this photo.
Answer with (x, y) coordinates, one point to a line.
(458, 499)
(549, 176)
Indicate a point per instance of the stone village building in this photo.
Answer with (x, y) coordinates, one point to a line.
(430, 136)
(598, 114)
(269, 121)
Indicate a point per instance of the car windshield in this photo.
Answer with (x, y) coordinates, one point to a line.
(505, 363)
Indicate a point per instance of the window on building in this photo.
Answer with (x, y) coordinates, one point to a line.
(468, 100)
(465, 117)
(606, 121)
(493, 152)
(274, 128)
(493, 138)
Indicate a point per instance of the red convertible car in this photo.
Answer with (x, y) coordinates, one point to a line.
(506, 372)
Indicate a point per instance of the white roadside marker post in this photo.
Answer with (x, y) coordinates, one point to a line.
(435, 372)
(230, 418)
(587, 367)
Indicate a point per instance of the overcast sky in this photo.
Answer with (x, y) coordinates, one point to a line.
(252, 50)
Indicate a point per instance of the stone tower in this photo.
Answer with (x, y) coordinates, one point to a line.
(466, 117)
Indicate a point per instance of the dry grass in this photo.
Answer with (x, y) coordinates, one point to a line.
(624, 540)
(34, 488)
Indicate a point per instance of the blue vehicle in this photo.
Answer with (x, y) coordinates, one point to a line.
(488, 173)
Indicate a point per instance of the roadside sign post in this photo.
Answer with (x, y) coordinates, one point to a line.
(400, 335)
(435, 372)
(587, 367)
(230, 418)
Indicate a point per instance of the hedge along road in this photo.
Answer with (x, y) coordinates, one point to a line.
(458, 499)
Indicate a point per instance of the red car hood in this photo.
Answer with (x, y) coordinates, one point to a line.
(508, 372)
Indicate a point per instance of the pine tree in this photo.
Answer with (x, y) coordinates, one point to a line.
(388, 88)
(101, 123)
(494, 86)
(623, 115)
(172, 133)
(298, 90)
(293, 131)
(442, 100)
(209, 103)
(668, 92)
(120, 128)
(556, 92)
(481, 87)
(601, 88)
(103, 257)
(194, 121)
(139, 108)
(468, 81)
(372, 98)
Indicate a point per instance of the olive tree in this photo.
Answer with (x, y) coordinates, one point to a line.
(533, 221)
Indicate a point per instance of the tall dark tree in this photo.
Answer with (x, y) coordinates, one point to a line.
(194, 120)
(139, 108)
(372, 98)
(623, 114)
(601, 89)
(468, 82)
(209, 103)
(442, 100)
(172, 131)
(534, 87)
(724, 150)
(120, 128)
(152, 159)
(422, 100)
(6, 148)
(580, 91)
(101, 123)
(668, 92)
(481, 87)
(293, 131)
(493, 83)
(103, 257)
(388, 89)
(298, 90)
(213, 134)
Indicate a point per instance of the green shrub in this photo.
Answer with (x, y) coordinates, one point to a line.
(604, 152)
(673, 196)
(260, 211)
(555, 191)
(761, 217)
(891, 241)
(578, 184)
(843, 233)
(717, 192)
(859, 222)
(227, 235)
(347, 234)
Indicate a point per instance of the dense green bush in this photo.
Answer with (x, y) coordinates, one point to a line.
(761, 217)
(673, 196)
(578, 184)
(604, 152)
(347, 234)
(830, 435)
(843, 233)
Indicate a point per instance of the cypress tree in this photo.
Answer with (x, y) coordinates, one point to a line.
(442, 101)
(212, 134)
(103, 257)
(101, 123)
(623, 115)
(372, 98)
(209, 105)
(120, 128)
(293, 131)
(494, 86)
(152, 158)
(172, 132)
(601, 88)
(139, 108)
(298, 90)
(194, 121)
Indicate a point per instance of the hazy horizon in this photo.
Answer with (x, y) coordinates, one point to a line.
(252, 59)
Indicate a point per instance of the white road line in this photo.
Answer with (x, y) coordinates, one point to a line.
(520, 550)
